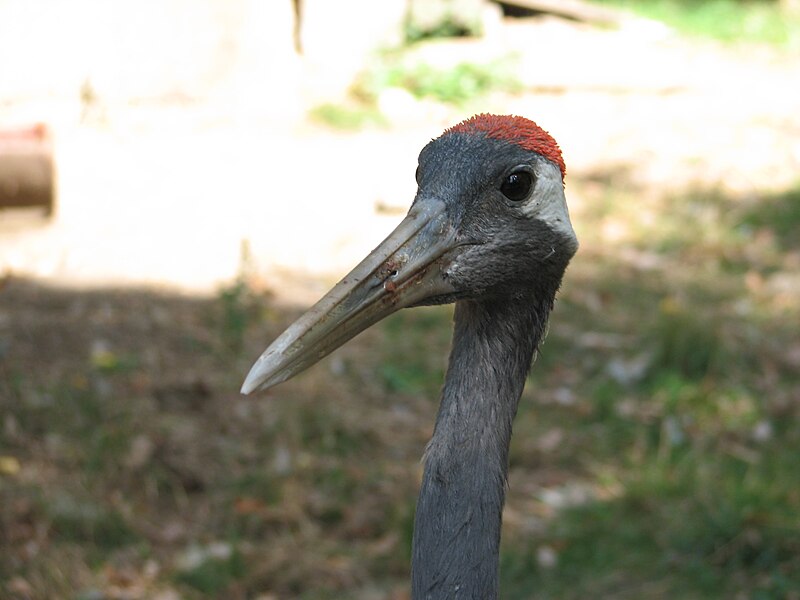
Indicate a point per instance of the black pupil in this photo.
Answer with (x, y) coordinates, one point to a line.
(517, 186)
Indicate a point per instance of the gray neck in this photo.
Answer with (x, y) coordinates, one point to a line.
(457, 526)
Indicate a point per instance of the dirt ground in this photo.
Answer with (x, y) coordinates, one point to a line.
(187, 236)
(169, 193)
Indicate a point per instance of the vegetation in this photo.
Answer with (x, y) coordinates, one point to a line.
(739, 21)
(655, 456)
(351, 116)
(462, 84)
(655, 451)
(457, 85)
(466, 83)
(685, 447)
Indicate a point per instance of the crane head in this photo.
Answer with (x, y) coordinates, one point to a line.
(489, 221)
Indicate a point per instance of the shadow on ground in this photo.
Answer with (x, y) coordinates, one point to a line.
(654, 454)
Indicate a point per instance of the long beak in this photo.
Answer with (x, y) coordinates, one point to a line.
(405, 269)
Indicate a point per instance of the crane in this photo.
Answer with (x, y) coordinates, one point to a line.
(489, 230)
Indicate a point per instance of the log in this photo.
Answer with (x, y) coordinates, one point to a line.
(26, 168)
(570, 9)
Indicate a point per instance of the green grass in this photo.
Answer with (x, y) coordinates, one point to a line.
(239, 304)
(777, 216)
(687, 461)
(347, 117)
(461, 85)
(695, 525)
(731, 21)
(321, 429)
(213, 576)
(415, 364)
(90, 525)
(691, 502)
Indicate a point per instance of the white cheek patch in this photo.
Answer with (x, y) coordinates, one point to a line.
(548, 203)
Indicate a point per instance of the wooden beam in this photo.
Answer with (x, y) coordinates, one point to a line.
(26, 168)
(570, 9)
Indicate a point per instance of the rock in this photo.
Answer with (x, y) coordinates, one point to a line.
(140, 452)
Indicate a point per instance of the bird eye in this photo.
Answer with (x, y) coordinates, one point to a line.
(517, 186)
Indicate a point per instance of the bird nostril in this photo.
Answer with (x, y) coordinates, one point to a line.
(390, 272)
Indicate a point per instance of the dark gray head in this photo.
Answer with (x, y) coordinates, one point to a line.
(489, 220)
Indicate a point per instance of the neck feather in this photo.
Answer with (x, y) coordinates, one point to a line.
(457, 527)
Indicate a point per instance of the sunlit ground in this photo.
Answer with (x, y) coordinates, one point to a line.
(656, 446)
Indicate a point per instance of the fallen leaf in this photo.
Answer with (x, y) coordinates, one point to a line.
(9, 465)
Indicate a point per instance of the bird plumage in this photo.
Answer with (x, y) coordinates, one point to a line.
(517, 130)
(488, 229)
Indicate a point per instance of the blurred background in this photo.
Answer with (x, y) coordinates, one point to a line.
(179, 180)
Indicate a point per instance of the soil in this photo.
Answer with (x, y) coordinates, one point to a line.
(186, 237)
(183, 194)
